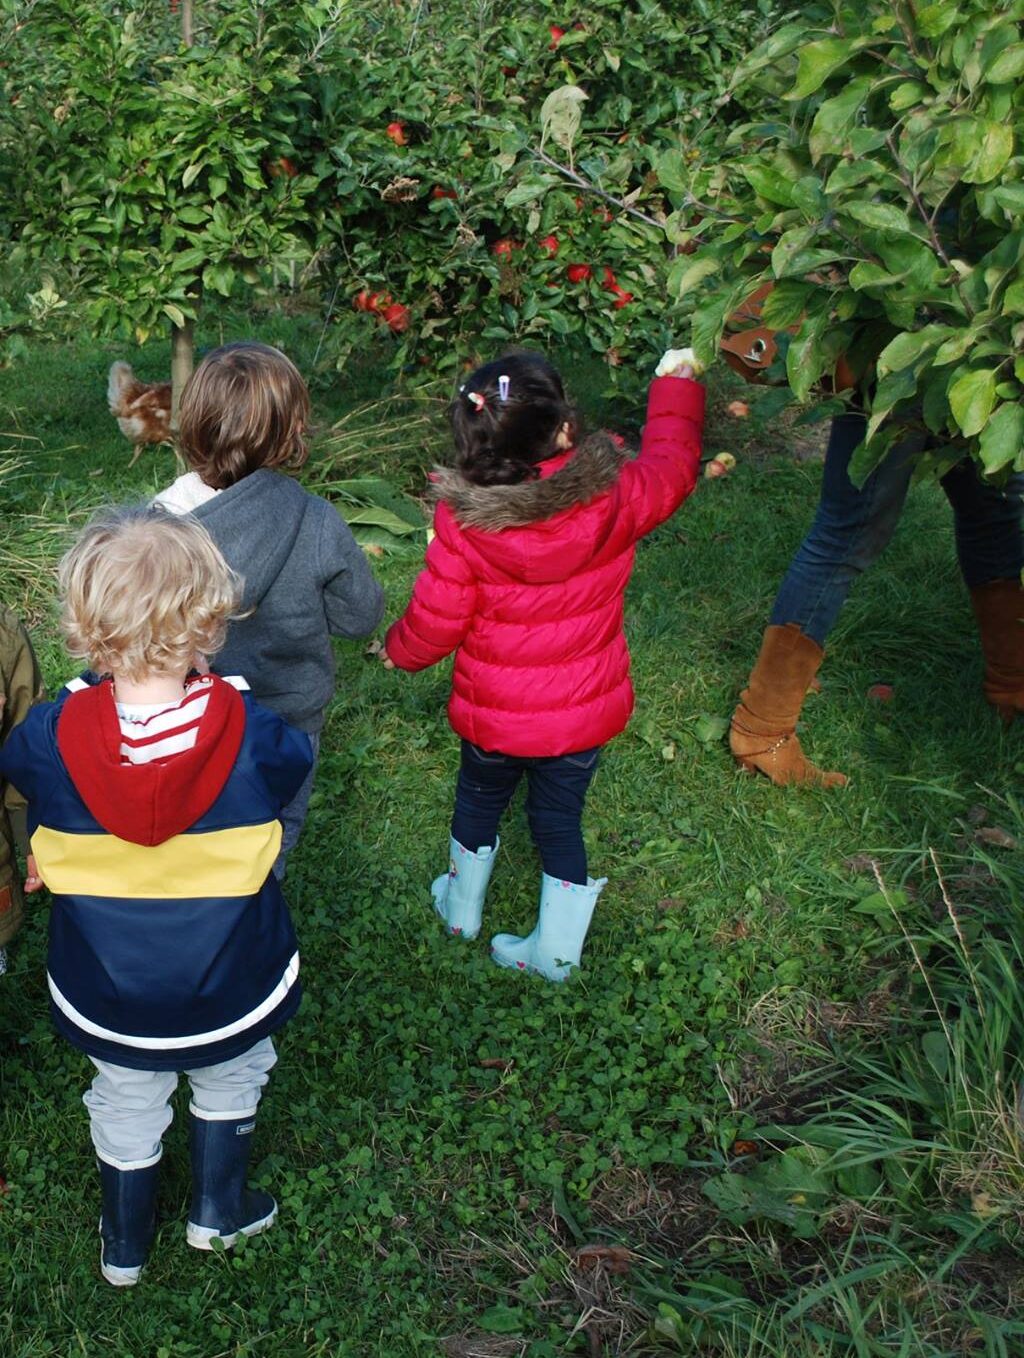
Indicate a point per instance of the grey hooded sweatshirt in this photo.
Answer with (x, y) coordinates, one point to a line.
(307, 580)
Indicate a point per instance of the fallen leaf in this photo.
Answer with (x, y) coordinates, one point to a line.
(614, 1258)
(501, 1063)
(977, 815)
(373, 648)
(670, 903)
(373, 549)
(745, 1148)
(739, 410)
(997, 837)
(668, 752)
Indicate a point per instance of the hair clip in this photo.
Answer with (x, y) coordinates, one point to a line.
(476, 400)
(503, 385)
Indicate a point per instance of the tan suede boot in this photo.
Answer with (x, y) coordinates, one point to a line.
(999, 609)
(763, 732)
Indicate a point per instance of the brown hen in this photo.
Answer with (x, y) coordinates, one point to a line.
(142, 409)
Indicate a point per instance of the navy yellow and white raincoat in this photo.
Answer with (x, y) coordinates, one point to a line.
(171, 946)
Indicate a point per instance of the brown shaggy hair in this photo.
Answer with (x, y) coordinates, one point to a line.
(245, 407)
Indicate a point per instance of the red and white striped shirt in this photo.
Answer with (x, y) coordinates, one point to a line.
(155, 731)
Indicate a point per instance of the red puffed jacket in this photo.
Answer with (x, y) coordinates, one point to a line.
(527, 582)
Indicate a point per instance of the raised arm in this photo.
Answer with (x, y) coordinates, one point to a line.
(654, 485)
(442, 605)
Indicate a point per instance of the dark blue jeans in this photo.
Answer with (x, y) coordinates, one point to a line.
(853, 527)
(556, 791)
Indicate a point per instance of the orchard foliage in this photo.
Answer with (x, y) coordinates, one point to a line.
(427, 155)
(146, 173)
(883, 196)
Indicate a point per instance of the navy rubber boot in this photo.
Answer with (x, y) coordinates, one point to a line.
(128, 1223)
(222, 1207)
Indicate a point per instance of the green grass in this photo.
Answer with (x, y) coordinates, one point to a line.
(442, 1136)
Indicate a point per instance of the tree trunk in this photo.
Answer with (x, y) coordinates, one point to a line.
(186, 22)
(182, 351)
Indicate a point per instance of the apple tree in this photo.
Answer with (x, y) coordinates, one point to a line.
(881, 196)
(146, 171)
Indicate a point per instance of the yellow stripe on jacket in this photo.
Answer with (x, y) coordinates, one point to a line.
(234, 862)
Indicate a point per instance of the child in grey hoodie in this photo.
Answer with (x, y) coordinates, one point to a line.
(243, 417)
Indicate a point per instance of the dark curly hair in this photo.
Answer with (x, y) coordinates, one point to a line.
(500, 442)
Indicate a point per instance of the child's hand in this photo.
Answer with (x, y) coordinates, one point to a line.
(33, 882)
(679, 363)
(376, 649)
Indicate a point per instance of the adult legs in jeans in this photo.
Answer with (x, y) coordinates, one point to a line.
(989, 524)
(851, 529)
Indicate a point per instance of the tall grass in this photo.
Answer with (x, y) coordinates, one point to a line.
(907, 1224)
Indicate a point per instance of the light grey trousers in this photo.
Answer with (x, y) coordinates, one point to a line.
(129, 1110)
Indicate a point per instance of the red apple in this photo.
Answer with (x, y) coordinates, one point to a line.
(438, 192)
(557, 34)
(505, 246)
(576, 273)
(396, 317)
(396, 131)
(623, 299)
(881, 693)
(549, 244)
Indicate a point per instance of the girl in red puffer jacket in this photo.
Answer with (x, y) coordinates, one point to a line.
(524, 579)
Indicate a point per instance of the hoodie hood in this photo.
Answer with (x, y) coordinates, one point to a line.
(148, 803)
(255, 523)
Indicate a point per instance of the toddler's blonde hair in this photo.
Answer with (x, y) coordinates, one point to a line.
(145, 592)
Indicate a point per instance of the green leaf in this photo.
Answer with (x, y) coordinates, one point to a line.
(995, 149)
(905, 350)
(709, 730)
(818, 60)
(1010, 197)
(672, 170)
(835, 121)
(687, 273)
(1013, 299)
(806, 359)
(789, 245)
(866, 274)
(769, 183)
(190, 174)
(502, 1319)
(971, 398)
(1008, 65)
(1002, 438)
(175, 315)
(783, 41)
(907, 94)
(933, 20)
(787, 303)
(879, 216)
(528, 191)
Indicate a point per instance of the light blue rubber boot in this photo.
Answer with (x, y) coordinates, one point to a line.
(459, 893)
(554, 947)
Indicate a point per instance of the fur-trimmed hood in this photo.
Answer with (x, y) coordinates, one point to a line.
(590, 469)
